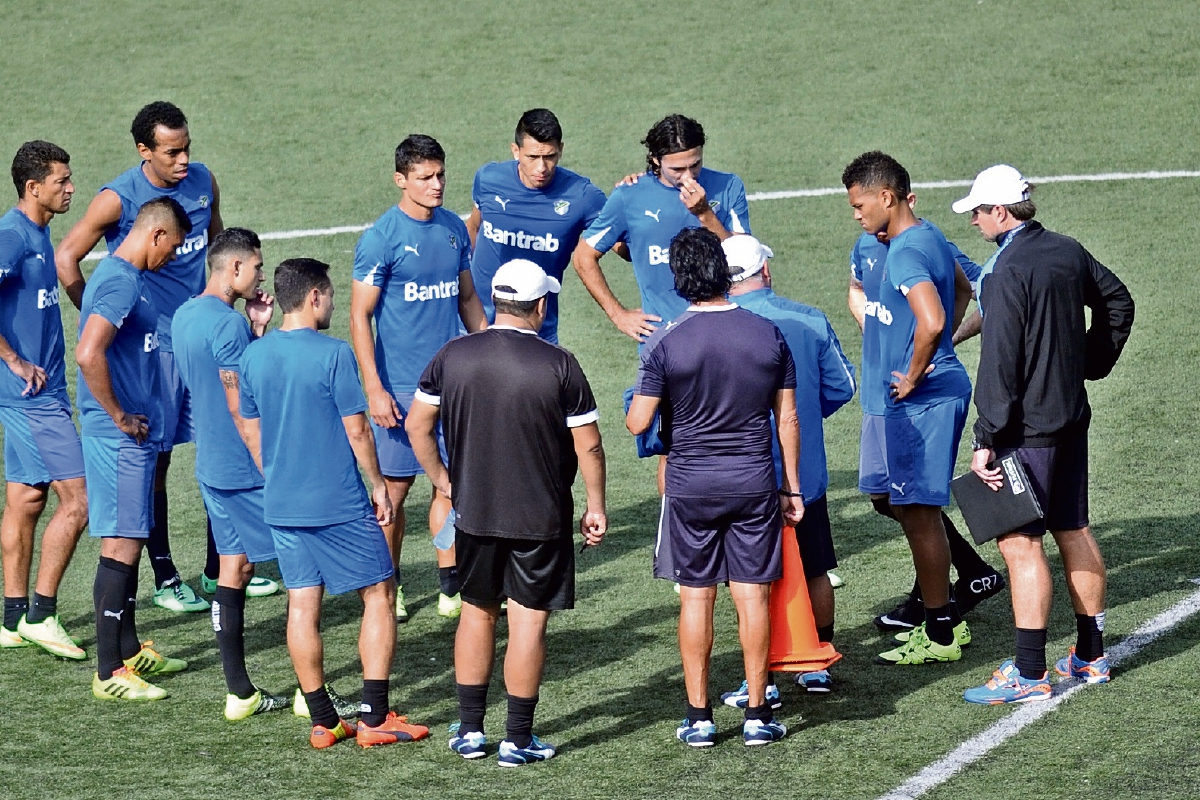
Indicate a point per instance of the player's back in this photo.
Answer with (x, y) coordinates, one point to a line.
(30, 320)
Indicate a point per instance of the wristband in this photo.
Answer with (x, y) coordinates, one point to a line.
(791, 494)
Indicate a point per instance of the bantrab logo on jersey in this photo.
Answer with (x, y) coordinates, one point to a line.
(879, 311)
(561, 207)
(150, 344)
(192, 244)
(47, 298)
(659, 255)
(418, 293)
(521, 239)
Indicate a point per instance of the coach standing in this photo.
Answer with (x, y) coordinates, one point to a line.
(1037, 352)
(519, 418)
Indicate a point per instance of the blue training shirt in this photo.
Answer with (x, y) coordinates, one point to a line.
(183, 277)
(824, 379)
(211, 336)
(300, 384)
(541, 225)
(29, 317)
(118, 292)
(920, 254)
(647, 215)
(416, 264)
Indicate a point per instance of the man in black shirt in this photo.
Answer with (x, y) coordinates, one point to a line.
(1036, 353)
(519, 418)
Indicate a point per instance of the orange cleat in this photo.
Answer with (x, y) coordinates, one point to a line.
(323, 737)
(393, 729)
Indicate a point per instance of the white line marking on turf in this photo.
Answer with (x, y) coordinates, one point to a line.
(980, 745)
(1156, 175)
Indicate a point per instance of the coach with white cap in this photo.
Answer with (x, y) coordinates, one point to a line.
(1036, 353)
(519, 419)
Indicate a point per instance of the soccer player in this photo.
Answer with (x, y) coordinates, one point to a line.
(41, 445)
(122, 419)
(519, 418)
(719, 372)
(210, 337)
(677, 192)
(302, 411)
(824, 383)
(160, 131)
(1037, 351)
(977, 581)
(412, 277)
(530, 208)
(926, 405)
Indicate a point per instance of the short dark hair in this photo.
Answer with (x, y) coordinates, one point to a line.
(671, 134)
(231, 242)
(877, 170)
(541, 124)
(33, 162)
(416, 148)
(1023, 211)
(160, 112)
(699, 265)
(295, 278)
(164, 210)
(518, 308)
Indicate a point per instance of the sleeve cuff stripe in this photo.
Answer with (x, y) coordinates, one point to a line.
(428, 399)
(583, 419)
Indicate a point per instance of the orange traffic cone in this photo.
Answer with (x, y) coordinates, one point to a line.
(794, 645)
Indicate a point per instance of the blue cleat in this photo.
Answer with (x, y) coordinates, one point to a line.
(756, 732)
(1008, 686)
(513, 756)
(469, 745)
(1071, 666)
(819, 682)
(741, 697)
(702, 733)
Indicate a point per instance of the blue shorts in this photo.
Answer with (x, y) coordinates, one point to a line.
(176, 403)
(40, 443)
(237, 522)
(120, 486)
(921, 451)
(872, 456)
(342, 557)
(703, 541)
(649, 442)
(396, 457)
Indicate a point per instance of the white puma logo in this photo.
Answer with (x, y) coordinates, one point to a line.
(503, 203)
(411, 249)
(900, 487)
(40, 257)
(871, 262)
(114, 614)
(653, 213)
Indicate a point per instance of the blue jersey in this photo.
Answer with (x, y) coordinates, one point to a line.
(541, 225)
(918, 255)
(211, 336)
(29, 317)
(183, 277)
(416, 265)
(118, 292)
(824, 378)
(300, 384)
(647, 215)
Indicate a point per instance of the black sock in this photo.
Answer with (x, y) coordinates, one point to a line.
(939, 624)
(158, 546)
(41, 608)
(108, 594)
(761, 713)
(320, 708)
(212, 561)
(963, 556)
(825, 633)
(1031, 652)
(1089, 645)
(131, 645)
(14, 609)
(472, 705)
(448, 578)
(519, 728)
(228, 621)
(375, 706)
(695, 714)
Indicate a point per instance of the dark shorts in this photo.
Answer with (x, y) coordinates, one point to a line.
(815, 537)
(704, 541)
(176, 403)
(537, 574)
(1059, 475)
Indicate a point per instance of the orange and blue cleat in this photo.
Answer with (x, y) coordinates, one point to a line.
(322, 737)
(393, 729)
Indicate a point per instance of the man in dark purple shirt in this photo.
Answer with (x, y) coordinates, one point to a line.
(716, 385)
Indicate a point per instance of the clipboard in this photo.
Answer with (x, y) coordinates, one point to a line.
(991, 514)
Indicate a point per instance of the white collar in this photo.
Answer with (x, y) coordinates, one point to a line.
(511, 328)
(726, 307)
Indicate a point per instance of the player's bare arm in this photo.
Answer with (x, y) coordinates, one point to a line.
(232, 385)
(215, 223)
(787, 427)
(963, 292)
(362, 442)
(926, 305)
(421, 426)
(631, 322)
(473, 223)
(251, 432)
(382, 406)
(33, 375)
(641, 413)
(102, 213)
(589, 450)
(470, 308)
(971, 326)
(91, 355)
(856, 299)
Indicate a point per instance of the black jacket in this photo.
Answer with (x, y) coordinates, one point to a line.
(1036, 352)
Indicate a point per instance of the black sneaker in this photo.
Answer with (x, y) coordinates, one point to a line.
(970, 592)
(904, 617)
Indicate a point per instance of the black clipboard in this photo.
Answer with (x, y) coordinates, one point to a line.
(991, 514)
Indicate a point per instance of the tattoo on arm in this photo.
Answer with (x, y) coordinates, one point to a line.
(229, 378)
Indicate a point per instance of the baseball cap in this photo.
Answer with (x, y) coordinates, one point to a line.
(746, 255)
(521, 280)
(1000, 185)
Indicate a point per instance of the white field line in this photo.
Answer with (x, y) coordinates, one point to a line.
(1155, 175)
(983, 743)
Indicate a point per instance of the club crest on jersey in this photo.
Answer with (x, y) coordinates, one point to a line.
(561, 207)
(715, 205)
(203, 201)
(453, 241)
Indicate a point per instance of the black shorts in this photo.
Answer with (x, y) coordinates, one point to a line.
(1059, 475)
(704, 541)
(535, 573)
(815, 537)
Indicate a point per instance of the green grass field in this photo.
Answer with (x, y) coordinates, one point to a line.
(297, 107)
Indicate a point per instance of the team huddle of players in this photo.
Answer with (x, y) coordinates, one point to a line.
(283, 425)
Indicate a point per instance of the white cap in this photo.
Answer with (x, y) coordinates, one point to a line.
(1000, 185)
(746, 256)
(522, 281)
